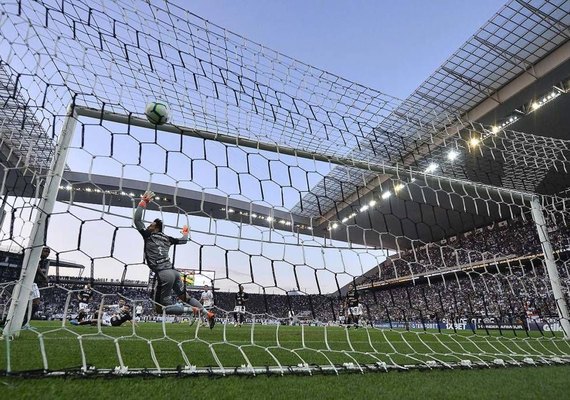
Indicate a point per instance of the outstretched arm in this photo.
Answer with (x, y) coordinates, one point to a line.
(145, 199)
(184, 239)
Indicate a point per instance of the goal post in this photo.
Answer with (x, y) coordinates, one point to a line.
(23, 288)
(398, 316)
(561, 305)
(434, 181)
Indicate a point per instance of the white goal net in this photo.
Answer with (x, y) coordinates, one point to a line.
(367, 232)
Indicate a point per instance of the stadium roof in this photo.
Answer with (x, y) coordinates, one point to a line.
(520, 56)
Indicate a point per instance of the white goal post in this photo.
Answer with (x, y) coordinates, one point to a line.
(21, 293)
(18, 307)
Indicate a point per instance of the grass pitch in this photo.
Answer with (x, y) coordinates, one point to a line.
(169, 348)
(162, 348)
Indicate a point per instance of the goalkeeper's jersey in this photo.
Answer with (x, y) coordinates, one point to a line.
(156, 245)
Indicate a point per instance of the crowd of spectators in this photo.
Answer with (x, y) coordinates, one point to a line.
(501, 297)
(501, 241)
(505, 293)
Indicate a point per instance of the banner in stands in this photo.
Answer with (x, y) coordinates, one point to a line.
(474, 324)
(188, 277)
(192, 278)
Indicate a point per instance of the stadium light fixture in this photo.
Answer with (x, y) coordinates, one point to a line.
(431, 168)
(398, 187)
(372, 203)
(386, 194)
(535, 105)
(474, 142)
(452, 155)
(364, 208)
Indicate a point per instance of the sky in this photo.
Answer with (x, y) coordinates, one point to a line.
(389, 46)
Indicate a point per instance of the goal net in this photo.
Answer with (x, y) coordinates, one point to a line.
(369, 233)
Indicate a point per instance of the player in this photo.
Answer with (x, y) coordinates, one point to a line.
(207, 298)
(122, 315)
(84, 296)
(353, 305)
(116, 317)
(138, 312)
(40, 281)
(156, 248)
(292, 318)
(239, 309)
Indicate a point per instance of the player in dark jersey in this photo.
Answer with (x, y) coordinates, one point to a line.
(123, 315)
(84, 296)
(241, 298)
(156, 252)
(115, 317)
(353, 306)
(40, 281)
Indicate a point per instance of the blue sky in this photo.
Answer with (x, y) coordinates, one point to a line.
(391, 46)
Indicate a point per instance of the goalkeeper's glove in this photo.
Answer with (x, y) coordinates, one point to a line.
(146, 198)
(185, 230)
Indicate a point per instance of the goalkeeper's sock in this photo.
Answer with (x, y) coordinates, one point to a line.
(176, 309)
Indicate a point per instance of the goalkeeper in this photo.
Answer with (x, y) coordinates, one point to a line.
(156, 249)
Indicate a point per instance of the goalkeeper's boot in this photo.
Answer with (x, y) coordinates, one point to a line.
(211, 319)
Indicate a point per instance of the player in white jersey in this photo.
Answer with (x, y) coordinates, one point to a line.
(207, 299)
(138, 312)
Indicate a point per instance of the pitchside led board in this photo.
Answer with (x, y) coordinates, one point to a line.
(195, 279)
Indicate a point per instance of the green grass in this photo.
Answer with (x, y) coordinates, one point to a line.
(508, 383)
(149, 347)
(154, 346)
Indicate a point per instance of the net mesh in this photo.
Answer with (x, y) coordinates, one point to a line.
(298, 184)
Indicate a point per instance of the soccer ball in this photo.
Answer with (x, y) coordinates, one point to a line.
(157, 112)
